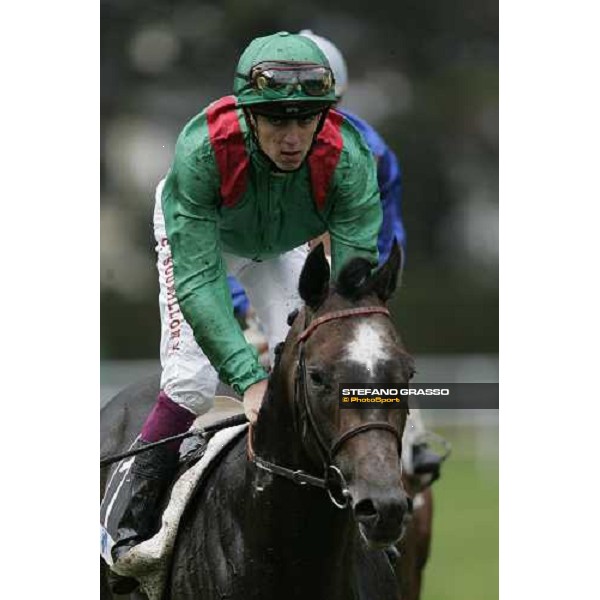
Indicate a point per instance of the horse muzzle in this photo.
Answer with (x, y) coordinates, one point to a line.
(382, 515)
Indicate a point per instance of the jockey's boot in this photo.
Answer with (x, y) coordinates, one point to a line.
(426, 463)
(420, 460)
(150, 476)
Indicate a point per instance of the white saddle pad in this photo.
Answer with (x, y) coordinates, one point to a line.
(149, 561)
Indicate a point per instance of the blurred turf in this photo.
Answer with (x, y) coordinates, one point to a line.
(463, 564)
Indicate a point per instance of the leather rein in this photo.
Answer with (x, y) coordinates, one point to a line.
(333, 481)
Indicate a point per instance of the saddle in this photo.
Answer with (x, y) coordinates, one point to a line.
(148, 562)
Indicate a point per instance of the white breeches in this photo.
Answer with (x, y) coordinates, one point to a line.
(272, 287)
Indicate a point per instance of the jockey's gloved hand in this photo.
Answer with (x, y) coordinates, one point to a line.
(253, 398)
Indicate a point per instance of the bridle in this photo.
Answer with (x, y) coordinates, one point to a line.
(333, 481)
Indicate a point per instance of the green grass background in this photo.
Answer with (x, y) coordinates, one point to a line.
(463, 564)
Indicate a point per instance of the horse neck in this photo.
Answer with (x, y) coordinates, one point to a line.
(303, 530)
(276, 437)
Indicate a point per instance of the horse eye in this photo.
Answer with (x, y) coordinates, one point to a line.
(318, 378)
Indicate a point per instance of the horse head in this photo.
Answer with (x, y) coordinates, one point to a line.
(343, 334)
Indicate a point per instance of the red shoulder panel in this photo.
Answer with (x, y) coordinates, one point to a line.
(227, 140)
(325, 156)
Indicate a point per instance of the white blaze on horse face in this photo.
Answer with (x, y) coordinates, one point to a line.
(368, 347)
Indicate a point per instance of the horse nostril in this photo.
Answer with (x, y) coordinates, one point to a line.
(409, 505)
(365, 511)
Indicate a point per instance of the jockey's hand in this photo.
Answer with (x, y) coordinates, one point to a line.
(253, 398)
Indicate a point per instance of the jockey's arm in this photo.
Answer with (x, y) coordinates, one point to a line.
(390, 188)
(355, 220)
(190, 199)
(389, 180)
(389, 176)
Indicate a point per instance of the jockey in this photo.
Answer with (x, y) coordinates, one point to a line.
(255, 176)
(418, 457)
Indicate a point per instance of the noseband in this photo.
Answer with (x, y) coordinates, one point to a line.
(333, 481)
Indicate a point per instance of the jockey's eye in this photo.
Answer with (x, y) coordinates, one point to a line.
(306, 121)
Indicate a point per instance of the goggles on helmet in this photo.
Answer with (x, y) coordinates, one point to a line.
(278, 80)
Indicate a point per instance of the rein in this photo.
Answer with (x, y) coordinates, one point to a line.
(202, 431)
(333, 481)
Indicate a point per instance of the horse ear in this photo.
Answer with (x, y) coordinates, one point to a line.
(314, 279)
(386, 278)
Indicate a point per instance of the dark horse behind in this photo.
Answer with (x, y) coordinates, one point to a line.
(255, 532)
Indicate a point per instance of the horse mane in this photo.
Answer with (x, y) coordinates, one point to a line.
(354, 281)
(274, 374)
(277, 357)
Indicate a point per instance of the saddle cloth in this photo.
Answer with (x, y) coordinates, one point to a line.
(148, 562)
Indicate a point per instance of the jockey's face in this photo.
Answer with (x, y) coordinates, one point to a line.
(286, 141)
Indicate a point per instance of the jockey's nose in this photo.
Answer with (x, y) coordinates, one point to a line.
(292, 133)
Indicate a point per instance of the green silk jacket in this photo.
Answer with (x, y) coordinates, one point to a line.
(222, 194)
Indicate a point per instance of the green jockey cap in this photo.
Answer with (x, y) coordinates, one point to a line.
(284, 75)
